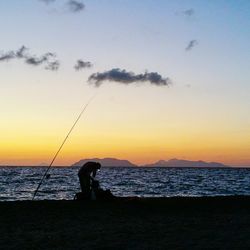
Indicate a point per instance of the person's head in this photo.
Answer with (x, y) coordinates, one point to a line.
(98, 165)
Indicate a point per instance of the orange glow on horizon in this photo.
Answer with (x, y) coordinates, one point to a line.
(140, 140)
(141, 151)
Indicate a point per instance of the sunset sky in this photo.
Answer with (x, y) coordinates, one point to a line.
(201, 46)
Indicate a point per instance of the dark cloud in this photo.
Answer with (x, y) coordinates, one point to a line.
(7, 56)
(125, 77)
(80, 64)
(188, 12)
(75, 6)
(72, 5)
(21, 53)
(48, 59)
(53, 66)
(47, 1)
(191, 44)
(35, 61)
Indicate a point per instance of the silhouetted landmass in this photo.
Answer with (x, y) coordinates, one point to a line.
(113, 162)
(186, 164)
(106, 162)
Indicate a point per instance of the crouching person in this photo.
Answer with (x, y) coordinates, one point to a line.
(86, 175)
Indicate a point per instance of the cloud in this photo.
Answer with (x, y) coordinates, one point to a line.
(191, 44)
(53, 66)
(80, 64)
(47, 1)
(35, 60)
(7, 56)
(75, 6)
(72, 5)
(188, 12)
(21, 53)
(125, 77)
(48, 59)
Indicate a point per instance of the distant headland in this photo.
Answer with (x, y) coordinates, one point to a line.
(113, 162)
(107, 162)
(186, 164)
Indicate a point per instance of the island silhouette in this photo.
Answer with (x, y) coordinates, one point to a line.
(113, 162)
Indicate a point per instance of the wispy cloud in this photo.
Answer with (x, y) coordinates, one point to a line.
(191, 44)
(21, 53)
(75, 6)
(7, 56)
(48, 59)
(80, 64)
(53, 66)
(125, 77)
(72, 5)
(35, 61)
(188, 12)
(47, 1)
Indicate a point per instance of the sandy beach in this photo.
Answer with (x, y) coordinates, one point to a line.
(129, 223)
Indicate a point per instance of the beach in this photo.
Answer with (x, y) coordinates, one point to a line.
(127, 223)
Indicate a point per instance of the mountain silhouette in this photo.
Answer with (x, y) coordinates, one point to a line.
(186, 163)
(106, 162)
(113, 162)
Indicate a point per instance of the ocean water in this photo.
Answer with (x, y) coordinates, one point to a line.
(19, 183)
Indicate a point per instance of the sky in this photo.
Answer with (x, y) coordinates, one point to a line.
(170, 80)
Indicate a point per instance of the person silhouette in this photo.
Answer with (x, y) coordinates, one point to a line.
(87, 174)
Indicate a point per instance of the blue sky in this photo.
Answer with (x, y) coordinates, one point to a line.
(210, 91)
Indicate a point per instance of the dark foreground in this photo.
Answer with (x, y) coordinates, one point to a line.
(157, 223)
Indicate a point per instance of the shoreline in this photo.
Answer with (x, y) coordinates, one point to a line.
(221, 222)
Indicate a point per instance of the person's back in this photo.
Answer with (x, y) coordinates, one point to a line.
(88, 168)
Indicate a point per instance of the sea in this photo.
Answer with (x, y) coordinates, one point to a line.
(19, 183)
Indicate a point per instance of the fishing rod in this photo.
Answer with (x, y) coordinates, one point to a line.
(58, 151)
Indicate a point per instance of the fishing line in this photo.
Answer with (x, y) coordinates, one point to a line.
(58, 151)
